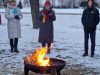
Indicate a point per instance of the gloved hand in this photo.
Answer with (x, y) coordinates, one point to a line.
(17, 17)
(50, 16)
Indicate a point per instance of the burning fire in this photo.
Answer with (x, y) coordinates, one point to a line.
(38, 57)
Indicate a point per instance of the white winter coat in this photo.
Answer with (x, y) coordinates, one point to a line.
(13, 25)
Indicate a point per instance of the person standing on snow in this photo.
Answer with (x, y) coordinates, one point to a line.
(13, 16)
(46, 18)
(90, 20)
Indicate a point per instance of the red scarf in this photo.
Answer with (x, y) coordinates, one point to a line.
(46, 12)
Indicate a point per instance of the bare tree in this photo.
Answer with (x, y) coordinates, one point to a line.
(35, 12)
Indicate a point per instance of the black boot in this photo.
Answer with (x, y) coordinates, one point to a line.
(85, 54)
(48, 51)
(15, 45)
(92, 53)
(43, 45)
(92, 49)
(49, 47)
(11, 45)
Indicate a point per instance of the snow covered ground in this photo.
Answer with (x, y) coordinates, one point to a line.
(74, 11)
(68, 45)
(58, 11)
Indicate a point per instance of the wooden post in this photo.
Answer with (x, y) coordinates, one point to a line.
(53, 71)
(26, 70)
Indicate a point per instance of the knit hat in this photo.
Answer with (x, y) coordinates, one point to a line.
(47, 3)
(11, 1)
(91, 0)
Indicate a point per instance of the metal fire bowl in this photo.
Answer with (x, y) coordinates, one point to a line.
(58, 65)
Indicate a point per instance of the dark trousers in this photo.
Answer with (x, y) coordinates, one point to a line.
(14, 43)
(11, 44)
(48, 44)
(92, 38)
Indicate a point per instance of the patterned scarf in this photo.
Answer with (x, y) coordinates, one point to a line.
(15, 11)
(47, 12)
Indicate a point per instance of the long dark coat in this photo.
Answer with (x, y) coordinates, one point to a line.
(90, 19)
(0, 19)
(46, 34)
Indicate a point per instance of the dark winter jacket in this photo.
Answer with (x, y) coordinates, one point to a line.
(0, 19)
(20, 5)
(90, 19)
(46, 29)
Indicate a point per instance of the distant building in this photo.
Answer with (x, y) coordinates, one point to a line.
(1, 3)
(60, 3)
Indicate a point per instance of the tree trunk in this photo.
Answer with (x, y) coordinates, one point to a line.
(35, 12)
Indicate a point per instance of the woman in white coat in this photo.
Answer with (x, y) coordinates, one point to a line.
(13, 16)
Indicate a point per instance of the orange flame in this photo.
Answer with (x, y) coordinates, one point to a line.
(39, 57)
